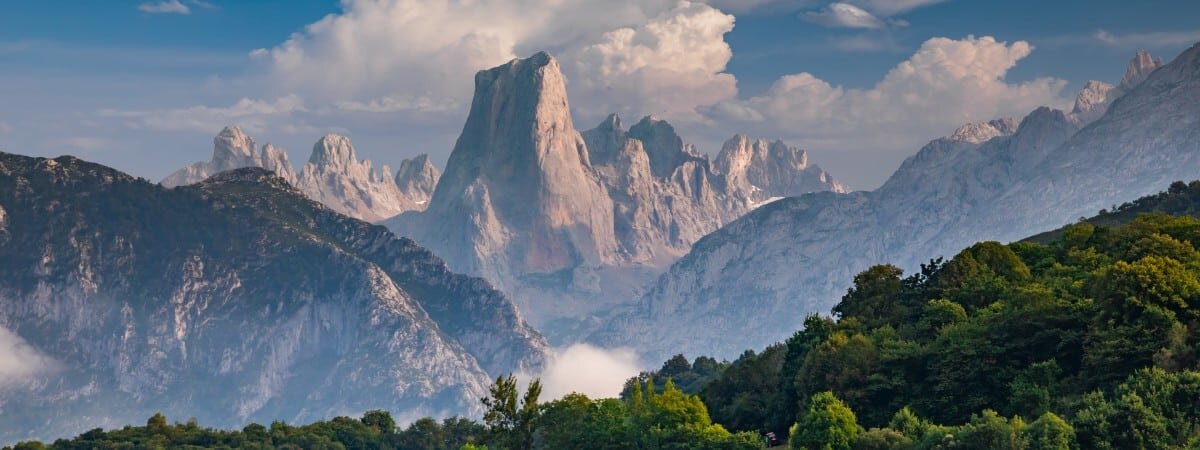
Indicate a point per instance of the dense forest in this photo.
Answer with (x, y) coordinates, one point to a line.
(1085, 337)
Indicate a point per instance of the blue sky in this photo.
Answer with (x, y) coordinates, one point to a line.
(145, 91)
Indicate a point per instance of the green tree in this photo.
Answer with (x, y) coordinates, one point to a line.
(1050, 432)
(828, 425)
(873, 299)
(380, 421)
(511, 421)
(991, 431)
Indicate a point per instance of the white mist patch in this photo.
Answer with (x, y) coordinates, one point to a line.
(19, 360)
(588, 370)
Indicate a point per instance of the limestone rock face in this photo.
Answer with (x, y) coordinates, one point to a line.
(774, 168)
(1139, 69)
(518, 195)
(416, 178)
(988, 181)
(232, 149)
(571, 223)
(275, 159)
(1092, 101)
(978, 133)
(231, 300)
(333, 175)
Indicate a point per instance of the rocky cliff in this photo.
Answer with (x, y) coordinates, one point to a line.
(572, 223)
(230, 300)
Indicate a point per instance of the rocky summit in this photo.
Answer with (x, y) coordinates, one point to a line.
(333, 175)
(987, 181)
(231, 300)
(573, 223)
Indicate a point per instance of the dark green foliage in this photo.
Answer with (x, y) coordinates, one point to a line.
(742, 398)
(375, 430)
(688, 377)
(511, 422)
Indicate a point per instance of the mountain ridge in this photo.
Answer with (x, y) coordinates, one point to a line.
(234, 299)
(792, 257)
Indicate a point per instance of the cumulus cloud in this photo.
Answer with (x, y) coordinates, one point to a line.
(251, 114)
(432, 48)
(669, 65)
(386, 56)
(588, 370)
(844, 15)
(165, 7)
(946, 83)
(19, 361)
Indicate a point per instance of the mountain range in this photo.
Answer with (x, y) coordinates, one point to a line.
(572, 223)
(333, 175)
(998, 180)
(233, 299)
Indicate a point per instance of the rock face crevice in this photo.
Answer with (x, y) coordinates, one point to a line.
(573, 222)
(997, 180)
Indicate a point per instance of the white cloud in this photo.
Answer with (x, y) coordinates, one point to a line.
(165, 7)
(668, 66)
(1143, 40)
(5, 128)
(387, 56)
(891, 7)
(251, 114)
(944, 84)
(844, 15)
(588, 370)
(19, 361)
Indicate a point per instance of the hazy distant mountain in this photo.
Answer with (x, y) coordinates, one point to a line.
(333, 175)
(574, 223)
(229, 300)
(752, 282)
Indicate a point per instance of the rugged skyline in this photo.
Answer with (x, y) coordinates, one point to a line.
(146, 83)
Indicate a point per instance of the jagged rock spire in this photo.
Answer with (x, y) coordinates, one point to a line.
(1139, 68)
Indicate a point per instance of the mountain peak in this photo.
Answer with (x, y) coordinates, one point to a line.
(980, 132)
(1093, 100)
(519, 164)
(663, 145)
(417, 177)
(610, 123)
(333, 150)
(232, 148)
(1139, 68)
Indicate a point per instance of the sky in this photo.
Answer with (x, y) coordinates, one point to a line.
(144, 85)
